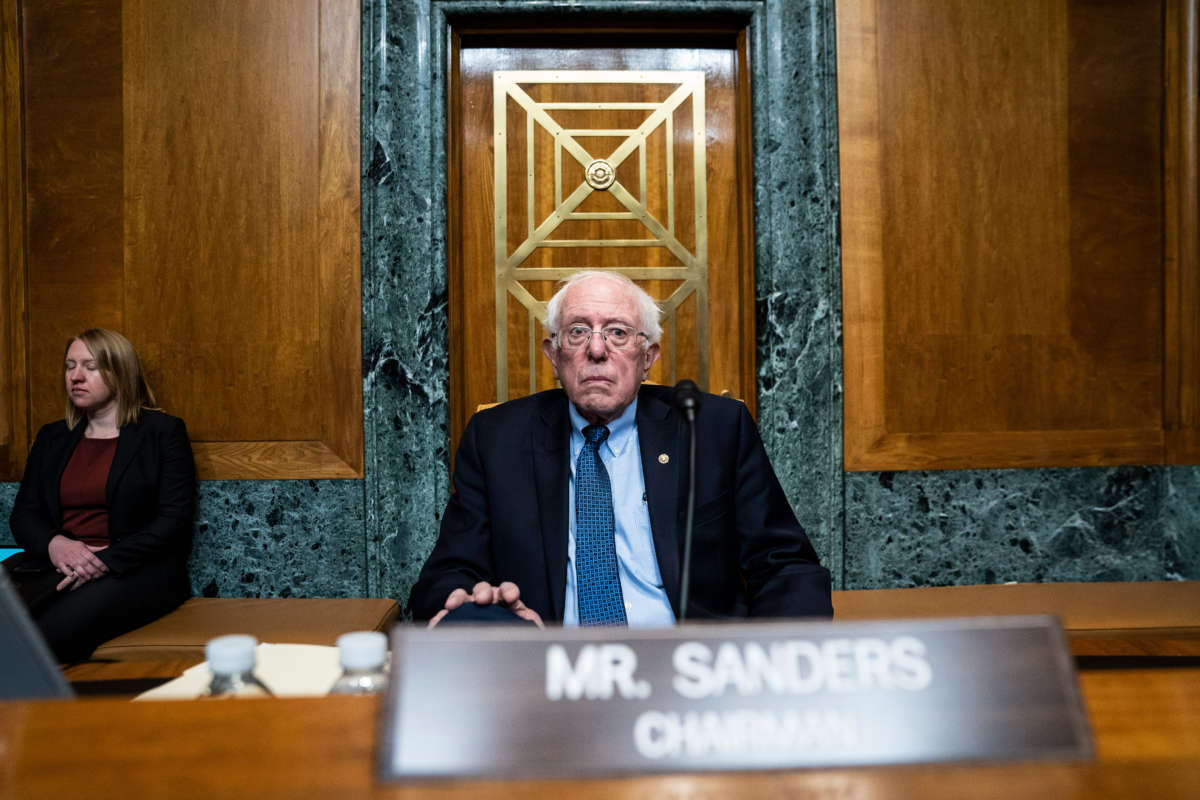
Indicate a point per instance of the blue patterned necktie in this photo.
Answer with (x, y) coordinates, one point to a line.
(597, 584)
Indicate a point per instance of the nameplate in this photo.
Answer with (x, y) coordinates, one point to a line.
(505, 702)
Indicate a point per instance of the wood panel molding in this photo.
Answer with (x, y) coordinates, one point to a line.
(340, 234)
(1010, 449)
(271, 461)
(1182, 228)
(862, 234)
(1002, 218)
(14, 434)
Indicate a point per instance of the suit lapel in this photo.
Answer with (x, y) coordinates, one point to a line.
(129, 441)
(658, 432)
(551, 471)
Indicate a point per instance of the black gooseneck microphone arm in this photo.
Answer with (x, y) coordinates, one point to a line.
(686, 396)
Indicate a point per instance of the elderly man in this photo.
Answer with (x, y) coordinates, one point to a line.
(568, 505)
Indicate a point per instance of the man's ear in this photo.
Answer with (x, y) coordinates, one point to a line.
(550, 351)
(649, 357)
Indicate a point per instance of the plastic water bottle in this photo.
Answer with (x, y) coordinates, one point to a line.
(363, 656)
(231, 660)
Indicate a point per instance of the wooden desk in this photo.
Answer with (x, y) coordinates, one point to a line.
(1155, 618)
(1146, 723)
(1136, 643)
(124, 679)
(1081, 606)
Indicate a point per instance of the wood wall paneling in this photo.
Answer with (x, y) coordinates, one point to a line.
(194, 182)
(244, 237)
(1182, 233)
(862, 247)
(1002, 212)
(747, 335)
(13, 399)
(73, 145)
(219, 234)
(475, 54)
(1115, 150)
(339, 240)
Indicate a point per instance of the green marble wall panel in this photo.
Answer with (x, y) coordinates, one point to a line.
(279, 539)
(270, 538)
(797, 279)
(8, 492)
(1181, 523)
(993, 526)
(405, 345)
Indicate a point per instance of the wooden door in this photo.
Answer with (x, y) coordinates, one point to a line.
(634, 159)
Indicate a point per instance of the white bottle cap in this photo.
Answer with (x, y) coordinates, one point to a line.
(229, 654)
(362, 650)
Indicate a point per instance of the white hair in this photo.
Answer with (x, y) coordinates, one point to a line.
(648, 310)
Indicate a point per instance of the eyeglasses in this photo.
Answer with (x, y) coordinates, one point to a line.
(616, 337)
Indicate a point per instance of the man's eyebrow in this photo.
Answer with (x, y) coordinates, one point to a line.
(605, 323)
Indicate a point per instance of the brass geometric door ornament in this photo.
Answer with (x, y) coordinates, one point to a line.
(588, 168)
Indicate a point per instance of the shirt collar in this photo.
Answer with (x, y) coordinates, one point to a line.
(620, 431)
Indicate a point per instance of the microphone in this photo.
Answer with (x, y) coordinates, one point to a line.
(686, 397)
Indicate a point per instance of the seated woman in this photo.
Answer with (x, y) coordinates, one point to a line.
(106, 505)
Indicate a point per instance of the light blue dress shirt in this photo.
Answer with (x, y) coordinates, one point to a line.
(646, 603)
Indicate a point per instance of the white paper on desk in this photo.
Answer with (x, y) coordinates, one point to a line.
(288, 670)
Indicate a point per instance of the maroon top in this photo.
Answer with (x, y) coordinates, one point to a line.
(84, 510)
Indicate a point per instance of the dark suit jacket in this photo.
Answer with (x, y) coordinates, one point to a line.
(508, 516)
(151, 492)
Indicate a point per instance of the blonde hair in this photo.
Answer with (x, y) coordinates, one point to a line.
(121, 371)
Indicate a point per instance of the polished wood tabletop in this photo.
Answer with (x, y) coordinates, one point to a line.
(124, 680)
(1146, 723)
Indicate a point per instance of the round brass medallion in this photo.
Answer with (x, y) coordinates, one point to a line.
(600, 174)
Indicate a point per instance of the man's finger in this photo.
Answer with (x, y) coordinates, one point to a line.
(525, 612)
(509, 593)
(512, 599)
(456, 599)
(483, 594)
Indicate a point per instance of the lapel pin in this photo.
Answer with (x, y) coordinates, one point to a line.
(663, 458)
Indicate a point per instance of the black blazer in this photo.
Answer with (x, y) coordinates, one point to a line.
(151, 492)
(508, 518)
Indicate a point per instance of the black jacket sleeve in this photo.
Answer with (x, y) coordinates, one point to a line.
(461, 558)
(783, 575)
(153, 506)
(31, 522)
